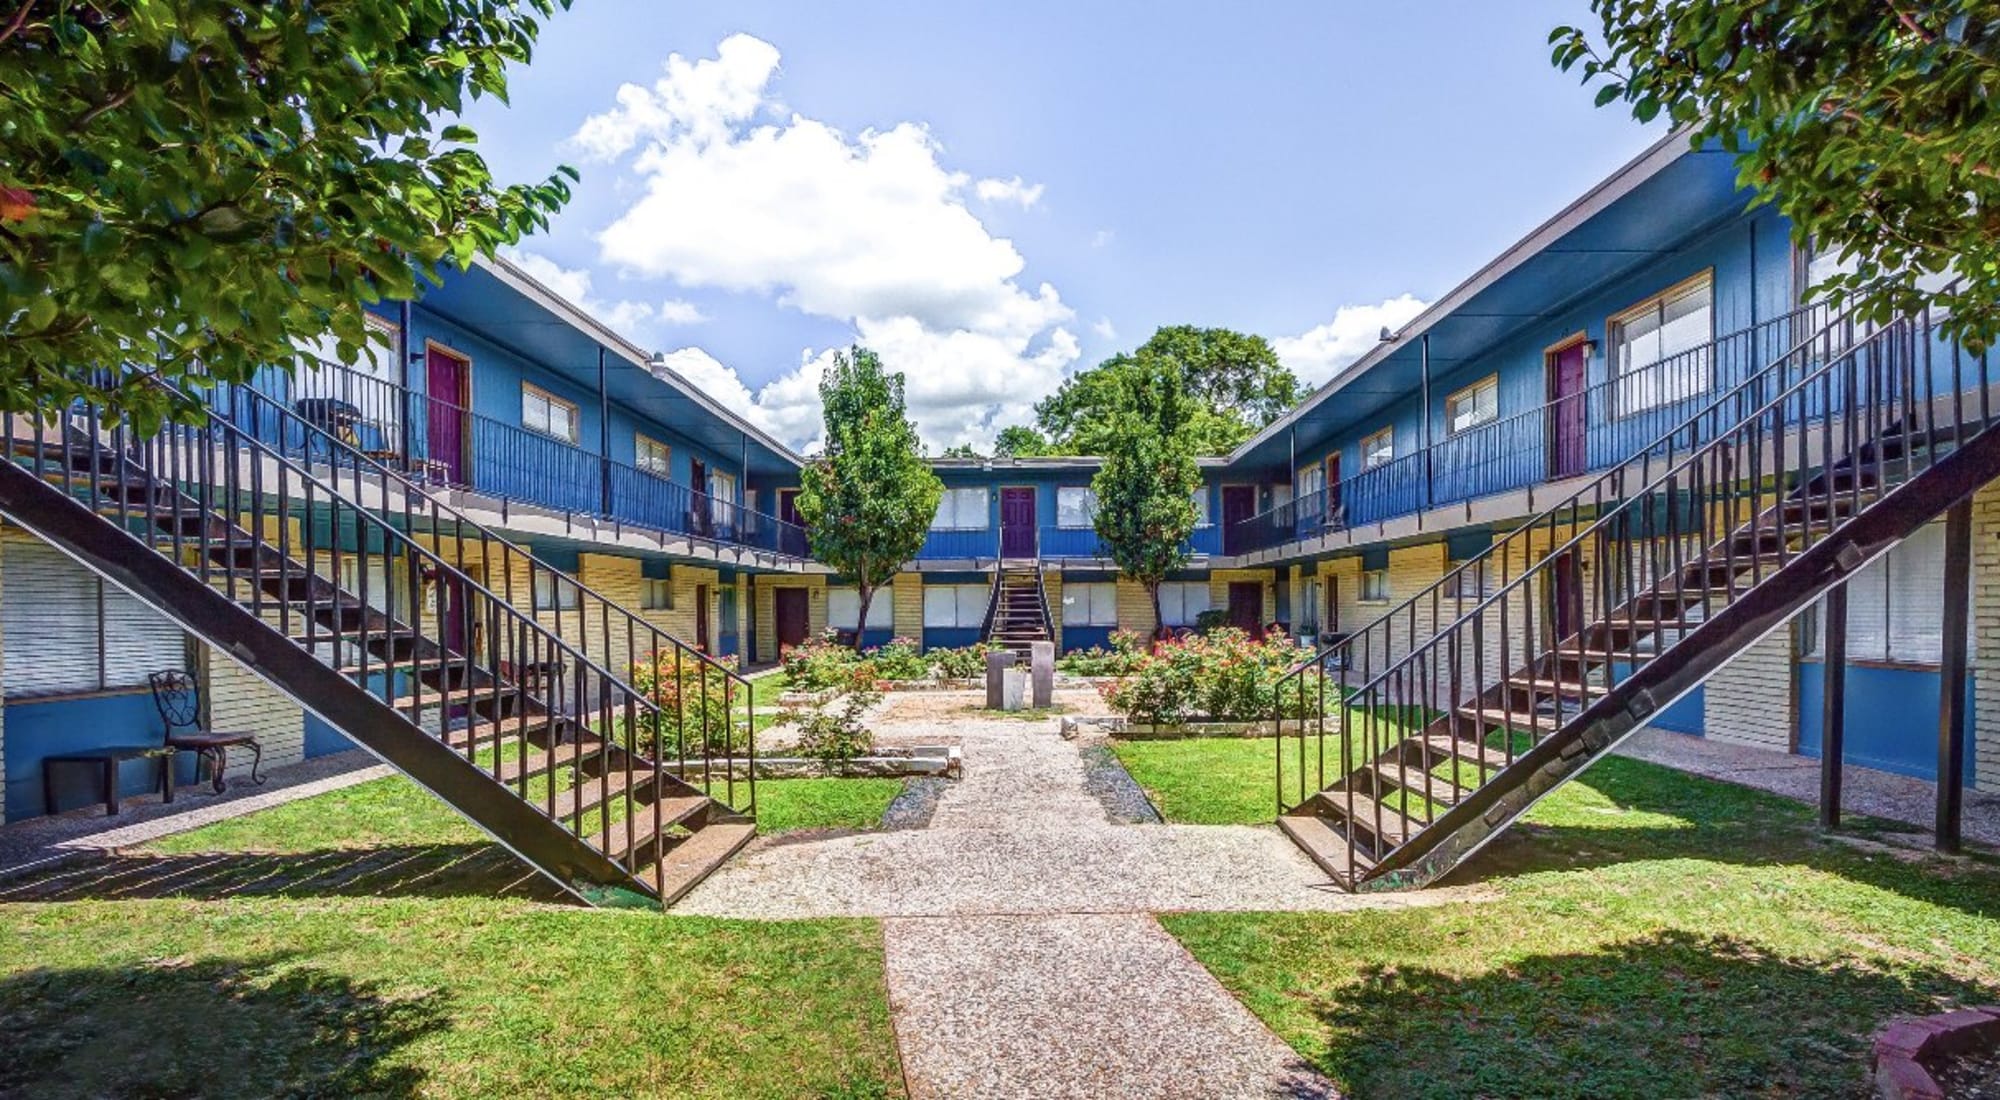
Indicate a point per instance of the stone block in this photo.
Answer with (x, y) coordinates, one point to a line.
(1014, 689)
(997, 664)
(1042, 667)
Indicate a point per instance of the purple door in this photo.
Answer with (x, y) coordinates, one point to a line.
(1568, 455)
(445, 379)
(1239, 502)
(1017, 523)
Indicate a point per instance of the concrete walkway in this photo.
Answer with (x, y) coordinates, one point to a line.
(1863, 790)
(43, 841)
(1023, 958)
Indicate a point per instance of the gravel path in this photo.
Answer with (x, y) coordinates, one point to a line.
(1023, 957)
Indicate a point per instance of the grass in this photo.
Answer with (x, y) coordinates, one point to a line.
(1205, 780)
(414, 980)
(1651, 934)
(789, 805)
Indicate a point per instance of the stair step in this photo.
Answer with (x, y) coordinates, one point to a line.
(690, 861)
(427, 700)
(588, 792)
(487, 731)
(673, 811)
(1445, 745)
(1426, 785)
(517, 763)
(1390, 828)
(1547, 687)
(1499, 717)
(1321, 841)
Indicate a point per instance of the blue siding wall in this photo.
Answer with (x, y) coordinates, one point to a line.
(1892, 716)
(949, 637)
(1086, 637)
(38, 729)
(1056, 541)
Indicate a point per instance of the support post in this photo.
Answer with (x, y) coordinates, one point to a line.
(1833, 710)
(603, 435)
(1951, 678)
(404, 315)
(1424, 357)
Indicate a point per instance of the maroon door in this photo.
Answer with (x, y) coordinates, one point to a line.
(1567, 593)
(1017, 523)
(445, 378)
(1239, 502)
(788, 507)
(698, 516)
(701, 617)
(1332, 512)
(790, 617)
(1246, 606)
(1568, 423)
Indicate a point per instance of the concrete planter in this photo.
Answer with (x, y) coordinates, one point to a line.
(937, 761)
(1118, 725)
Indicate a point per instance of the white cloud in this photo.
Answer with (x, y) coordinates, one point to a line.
(787, 407)
(1102, 237)
(870, 229)
(1010, 190)
(1319, 353)
(1104, 328)
(675, 311)
(628, 318)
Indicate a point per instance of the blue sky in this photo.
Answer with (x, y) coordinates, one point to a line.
(997, 195)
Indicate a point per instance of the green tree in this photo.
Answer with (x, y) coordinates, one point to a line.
(210, 183)
(1234, 382)
(1874, 127)
(869, 498)
(1020, 441)
(1145, 489)
(960, 450)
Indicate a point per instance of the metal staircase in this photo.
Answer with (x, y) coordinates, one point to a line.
(1413, 742)
(1019, 616)
(447, 651)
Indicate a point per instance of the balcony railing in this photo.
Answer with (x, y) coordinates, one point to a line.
(1050, 542)
(444, 444)
(1591, 430)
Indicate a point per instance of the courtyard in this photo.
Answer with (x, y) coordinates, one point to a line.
(1032, 929)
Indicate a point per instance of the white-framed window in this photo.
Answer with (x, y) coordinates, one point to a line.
(386, 586)
(1472, 406)
(1893, 609)
(555, 592)
(653, 456)
(956, 605)
(722, 496)
(843, 609)
(544, 412)
(1476, 582)
(372, 385)
(656, 595)
(1374, 586)
(68, 631)
(1182, 602)
(1201, 507)
(1093, 603)
(1076, 506)
(1379, 449)
(1311, 479)
(962, 510)
(1306, 605)
(1657, 350)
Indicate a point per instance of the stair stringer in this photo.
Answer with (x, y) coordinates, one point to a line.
(108, 550)
(1469, 825)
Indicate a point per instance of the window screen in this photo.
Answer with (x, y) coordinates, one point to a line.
(1091, 604)
(68, 631)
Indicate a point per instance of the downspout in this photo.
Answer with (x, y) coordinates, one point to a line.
(405, 315)
(603, 435)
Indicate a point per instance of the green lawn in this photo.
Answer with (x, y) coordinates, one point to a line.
(375, 952)
(1205, 780)
(1652, 934)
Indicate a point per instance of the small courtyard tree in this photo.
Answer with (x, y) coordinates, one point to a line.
(200, 187)
(868, 500)
(1873, 126)
(1145, 489)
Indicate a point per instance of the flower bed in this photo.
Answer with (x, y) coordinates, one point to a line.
(1223, 676)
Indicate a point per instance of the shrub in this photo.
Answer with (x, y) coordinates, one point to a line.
(964, 663)
(1222, 676)
(899, 660)
(1128, 648)
(819, 664)
(830, 729)
(698, 707)
(1210, 621)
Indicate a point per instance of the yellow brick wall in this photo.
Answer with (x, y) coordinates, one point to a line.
(1052, 589)
(1135, 608)
(1219, 581)
(240, 701)
(767, 627)
(907, 592)
(1985, 747)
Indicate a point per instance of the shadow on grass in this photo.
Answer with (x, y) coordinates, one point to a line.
(1682, 817)
(252, 1027)
(1674, 1014)
(396, 871)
